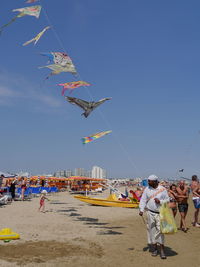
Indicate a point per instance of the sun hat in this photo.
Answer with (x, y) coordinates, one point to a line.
(152, 178)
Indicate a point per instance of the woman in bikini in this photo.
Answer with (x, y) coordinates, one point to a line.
(173, 199)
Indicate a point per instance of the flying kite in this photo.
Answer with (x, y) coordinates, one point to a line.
(31, 1)
(56, 69)
(37, 37)
(92, 137)
(58, 58)
(72, 85)
(88, 107)
(30, 11)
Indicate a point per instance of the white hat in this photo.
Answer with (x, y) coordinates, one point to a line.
(152, 178)
(44, 192)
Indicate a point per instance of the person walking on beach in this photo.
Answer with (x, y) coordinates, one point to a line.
(182, 199)
(173, 199)
(42, 200)
(195, 187)
(153, 196)
(23, 187)
(12, 188)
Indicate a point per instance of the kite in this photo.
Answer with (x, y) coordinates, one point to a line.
(72, 85)
(90, 138)
(37, 37)
(88, 107)
(56, 69)
(58, 58)
(30, 11)
(31, 1)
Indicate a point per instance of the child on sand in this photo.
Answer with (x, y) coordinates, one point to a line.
(42, 200)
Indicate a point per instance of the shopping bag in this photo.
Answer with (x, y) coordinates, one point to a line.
(167, 222)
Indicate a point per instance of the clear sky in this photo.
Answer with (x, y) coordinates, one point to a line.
(143, 54)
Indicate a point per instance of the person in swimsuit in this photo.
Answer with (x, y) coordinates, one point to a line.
(195, 187)
(182, 198)
(23, 187)
(173, 199)
(42, 200)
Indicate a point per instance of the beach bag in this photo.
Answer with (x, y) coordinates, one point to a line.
(167, 222)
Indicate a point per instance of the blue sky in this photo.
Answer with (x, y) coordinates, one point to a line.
(143, 54)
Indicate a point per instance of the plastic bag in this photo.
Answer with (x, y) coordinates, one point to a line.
(167, 222)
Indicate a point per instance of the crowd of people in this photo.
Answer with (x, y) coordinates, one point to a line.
(176, 196)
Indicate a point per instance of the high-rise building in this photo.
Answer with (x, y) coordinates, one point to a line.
(79, 172)
(68, 173)
(98, 172)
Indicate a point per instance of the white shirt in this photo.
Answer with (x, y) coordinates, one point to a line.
(148, 198)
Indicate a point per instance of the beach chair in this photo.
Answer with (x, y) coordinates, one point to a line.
(4, 200)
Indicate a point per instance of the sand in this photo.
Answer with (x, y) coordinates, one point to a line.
(73, 233)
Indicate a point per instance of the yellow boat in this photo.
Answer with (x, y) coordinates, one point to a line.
(8, 234)
(111, 201)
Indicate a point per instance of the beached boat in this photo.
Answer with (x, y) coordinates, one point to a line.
(111, 201)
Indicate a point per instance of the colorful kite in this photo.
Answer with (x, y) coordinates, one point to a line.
(88, 107)
(58, 69)
(30, 11)
(72, 85)
(58, 58)
(31, 1)
(37, 37)
(90, 138)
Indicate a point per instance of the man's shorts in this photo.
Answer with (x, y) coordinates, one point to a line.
(196, 203)
(183, 207)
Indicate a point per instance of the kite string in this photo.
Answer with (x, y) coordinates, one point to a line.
(117, 139)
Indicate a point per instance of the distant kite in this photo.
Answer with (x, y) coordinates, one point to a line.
(92, 137)
(72, 85)
(88, 107)
(30, 11)
(58, 58)
(37, 37)
(181, 170)
(56, 69)
(31, 1)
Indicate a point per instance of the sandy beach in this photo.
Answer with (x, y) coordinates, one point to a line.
(73, 233)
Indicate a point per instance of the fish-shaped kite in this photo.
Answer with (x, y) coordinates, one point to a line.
(88, 107)
(56, 69)
(30, 11)
(37, 37)
(92, 137)
(72, 85)
(58, 58)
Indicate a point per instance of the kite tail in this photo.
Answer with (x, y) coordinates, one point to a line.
(83, 140)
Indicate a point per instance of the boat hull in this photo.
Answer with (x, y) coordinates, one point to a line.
(107, 203)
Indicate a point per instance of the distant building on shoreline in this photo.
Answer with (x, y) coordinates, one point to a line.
(98, 172)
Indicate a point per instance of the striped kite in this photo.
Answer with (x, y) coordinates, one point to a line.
(92, 137)
(37, 37)
(72, 85)
(88, 107)
(30, 11)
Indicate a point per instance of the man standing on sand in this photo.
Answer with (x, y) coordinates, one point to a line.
(195, 187)
(153, 196)
(182, 198)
